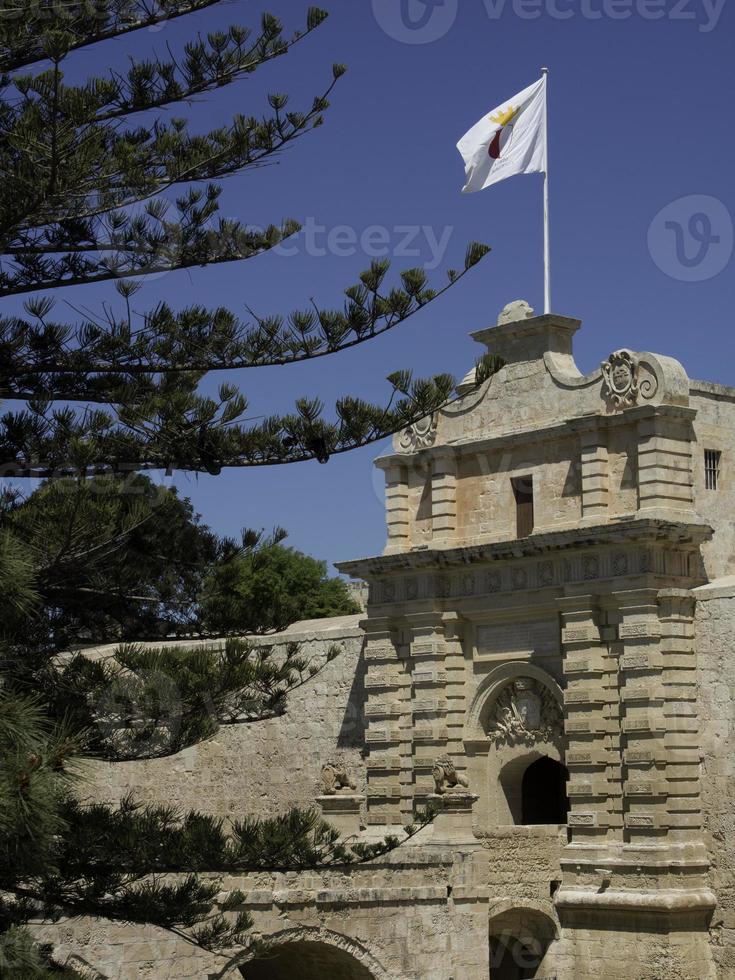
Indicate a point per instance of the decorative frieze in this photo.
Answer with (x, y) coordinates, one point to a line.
(424, 676)
(580, 633)
(519, 575)
(643, 723)
(375, 652)
(382, 736)
(578, 819)
(382, 709)
(382, 679)
(635, 661)
(642, 821)
(383, 763)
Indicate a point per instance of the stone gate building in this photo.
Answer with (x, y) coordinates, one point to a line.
(548, 653)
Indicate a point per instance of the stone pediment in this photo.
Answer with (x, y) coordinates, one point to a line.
(541, 385)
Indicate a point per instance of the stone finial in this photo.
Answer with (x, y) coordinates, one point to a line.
(519, 309)
(335, 778)
(446, 777)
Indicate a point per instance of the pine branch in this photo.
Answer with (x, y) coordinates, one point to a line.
(173, 428)
(93, 361)
(105, 174)
(60, 23)
(118, 864)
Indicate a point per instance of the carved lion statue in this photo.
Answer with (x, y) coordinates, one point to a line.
(446, 777)
(335, 777)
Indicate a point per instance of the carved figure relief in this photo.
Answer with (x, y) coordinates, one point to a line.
(420, 435)
(524, 713)
(335, 778)
(446, 777)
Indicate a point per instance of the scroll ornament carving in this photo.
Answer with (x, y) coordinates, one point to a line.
(335, 778)
(525, 713)
(627, 379)
(420, 435)
(621, 378)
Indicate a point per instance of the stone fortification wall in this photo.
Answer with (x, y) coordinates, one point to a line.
(715, 629)
(262, 768)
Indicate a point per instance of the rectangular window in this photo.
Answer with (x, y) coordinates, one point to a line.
(712, 459)
(523, 493)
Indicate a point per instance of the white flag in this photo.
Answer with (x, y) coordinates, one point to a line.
(508, 141)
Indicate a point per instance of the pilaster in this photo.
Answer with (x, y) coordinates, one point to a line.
(665, 477)
(387, 714)
(437, 665)
(595, 476)
(592, 710)
(396, 508)
(444, 498)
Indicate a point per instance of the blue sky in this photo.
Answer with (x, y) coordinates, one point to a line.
(640, 120)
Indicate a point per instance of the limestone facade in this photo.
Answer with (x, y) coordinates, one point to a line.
(546, 655)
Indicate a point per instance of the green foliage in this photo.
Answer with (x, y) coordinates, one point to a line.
(92, 194)
(113, 559)
(145, 702)
(18, 583)
(269, 589)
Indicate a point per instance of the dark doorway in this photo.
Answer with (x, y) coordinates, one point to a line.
(305, 961)
(523, 493)
(544, 793)
(512, 959)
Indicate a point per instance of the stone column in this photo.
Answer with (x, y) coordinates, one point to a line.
(455, 672)
(681, 714)
(595, 476)
(636, 643)
(397, 512)
(387, 710)
(591, 724)
(640, 894)
(444, 498)
(665, 478)
(429, 702)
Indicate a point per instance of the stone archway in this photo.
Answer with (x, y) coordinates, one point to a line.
(519, 940)
(515, 717)
(313, 954)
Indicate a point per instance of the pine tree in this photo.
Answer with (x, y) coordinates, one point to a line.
(84, 199)
(90, 195)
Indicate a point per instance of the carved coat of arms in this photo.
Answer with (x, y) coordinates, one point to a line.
(525, 712)
(621, 378)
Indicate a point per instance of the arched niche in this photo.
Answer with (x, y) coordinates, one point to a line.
(312, 954)
(499, 754)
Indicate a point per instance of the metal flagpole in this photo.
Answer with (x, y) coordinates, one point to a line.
(547, 237)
